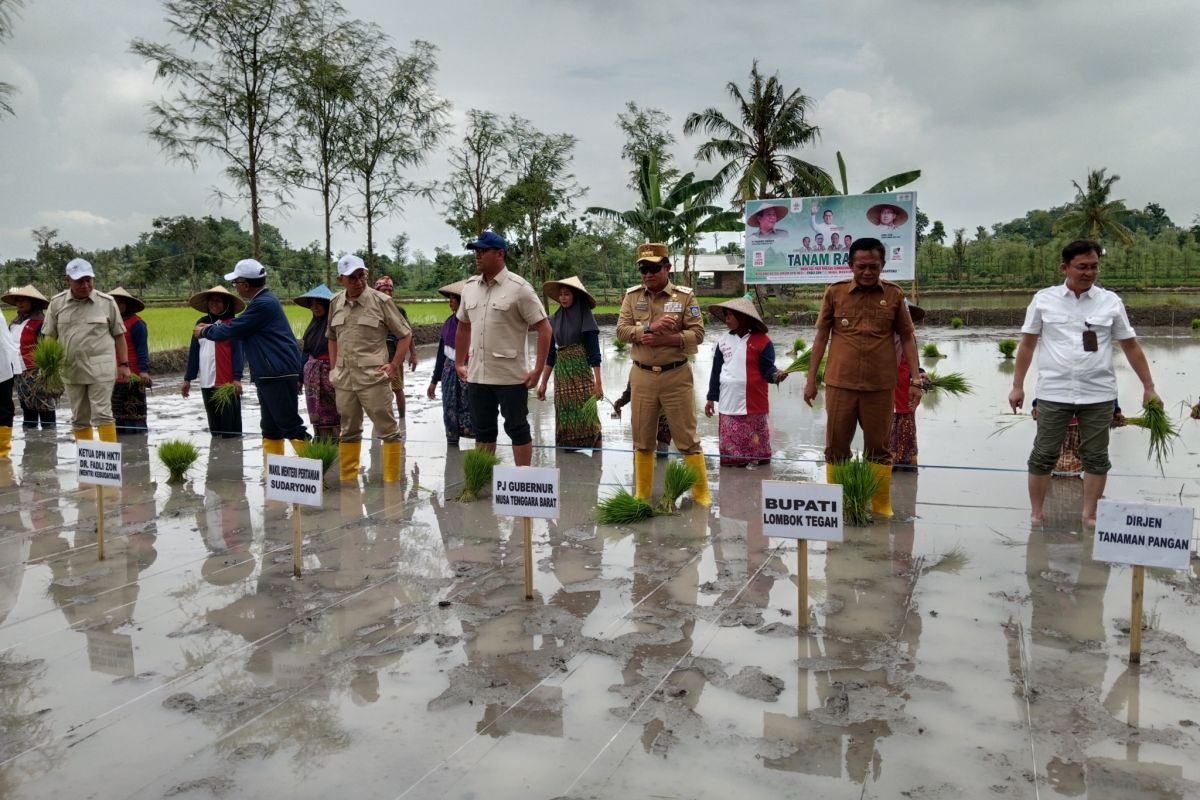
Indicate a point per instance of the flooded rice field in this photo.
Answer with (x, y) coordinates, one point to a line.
(952, 652)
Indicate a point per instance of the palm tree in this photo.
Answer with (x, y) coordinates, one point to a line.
(888, 184)
(1093, 215)
(758, 152)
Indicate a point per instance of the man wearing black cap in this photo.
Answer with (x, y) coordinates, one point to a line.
(495, 315)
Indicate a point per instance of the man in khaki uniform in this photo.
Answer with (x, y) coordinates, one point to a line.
(360, 319)
(495, 315)
(663, 323)
(90, 327)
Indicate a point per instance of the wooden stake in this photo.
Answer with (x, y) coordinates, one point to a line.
(100, 521)
(297, 540)
(802, 581)
(1135, 623)
(527, 523)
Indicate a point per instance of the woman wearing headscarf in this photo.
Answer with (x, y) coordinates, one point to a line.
(129, 396)
(456, 408)
(216, 364)
(575, 361)
(36, 403)
(318, 391)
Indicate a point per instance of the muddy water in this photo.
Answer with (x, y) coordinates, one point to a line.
(953, 652)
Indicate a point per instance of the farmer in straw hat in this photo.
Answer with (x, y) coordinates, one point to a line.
(319, 394)
(129, 397)
(89, 325)
(216, 364)
(575, 361)
(742, 368)
(36, 403)
(663, 323)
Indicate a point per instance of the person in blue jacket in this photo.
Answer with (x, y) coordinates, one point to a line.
(272, 353)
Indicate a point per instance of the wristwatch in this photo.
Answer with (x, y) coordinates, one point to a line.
(917, 384)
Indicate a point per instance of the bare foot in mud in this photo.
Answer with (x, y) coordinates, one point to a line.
(1089, 521)
(1035, 519)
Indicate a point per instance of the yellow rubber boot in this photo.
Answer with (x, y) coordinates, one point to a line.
(5, 441)
(829, 478)
(7, 478)
(700, 487)
(348, 453)
(643, 474)
(881, 501)
(271, 447)
(298, 445)
(83, 434)
(393, 453)
(108, 433)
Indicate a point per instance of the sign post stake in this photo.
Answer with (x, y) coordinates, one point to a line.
(297, 540)
(1135, 615)
(527, 523)
(802, 581)
(100, 522)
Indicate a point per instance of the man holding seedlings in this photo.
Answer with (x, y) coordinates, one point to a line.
(664, 325)
(1077, 323)
(495, 315)
(859, 319)
(89, 325)
(360, 319)
(271, 351)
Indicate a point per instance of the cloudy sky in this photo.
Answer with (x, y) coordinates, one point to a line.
(1001, 103)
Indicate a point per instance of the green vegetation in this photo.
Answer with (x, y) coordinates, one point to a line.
(859, 484)
(930, 350)
(677, 480)
(50, 357)
(801, 364)
(1008, 347)
(321, 448)
(1162, 432)
(956, 322)
(477, 473)
(224, 395)
(798, 346)
(178, 457)
(620, 346)
(1196, 323)
(954, 383)
(623, 509)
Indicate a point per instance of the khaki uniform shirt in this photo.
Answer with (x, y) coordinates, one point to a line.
(86, 329)
(500, 314)
(860, 322)
(360, 328)
(640, 307)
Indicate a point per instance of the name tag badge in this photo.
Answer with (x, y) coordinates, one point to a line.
(1089, 341)
(642, 305)
(673, 308)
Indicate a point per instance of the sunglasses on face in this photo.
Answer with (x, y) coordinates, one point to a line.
(649, 269)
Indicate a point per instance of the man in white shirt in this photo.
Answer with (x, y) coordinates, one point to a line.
(1077, 322)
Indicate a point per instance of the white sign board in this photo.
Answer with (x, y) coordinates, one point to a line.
(99, 463)
(1138, 533)
(525, 492)
(794, 510)
(295, 480)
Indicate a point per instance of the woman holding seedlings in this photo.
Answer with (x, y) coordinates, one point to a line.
(318, 391)
(743, 366)
(129, 396)
(456, 406)
(217, 365)
(36, 403)
(575, 361)
(903, 441)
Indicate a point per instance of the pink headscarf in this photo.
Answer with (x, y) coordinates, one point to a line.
(384, 285)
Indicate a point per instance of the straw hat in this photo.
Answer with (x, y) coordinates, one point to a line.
(550, 289)
(874, 211)
(28, 291)
(318, 292)
(743, 307)
(199, 300)
(780, 213)
(455, 289)
(132, 302)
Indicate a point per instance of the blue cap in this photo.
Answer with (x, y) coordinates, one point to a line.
(318, 292)
(489, 240)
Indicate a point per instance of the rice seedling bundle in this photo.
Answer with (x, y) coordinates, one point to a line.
(930, 350)
(477, 473)
(323, 449)
(50, 357)
(798, 346)
(1162, 433)
(177, 456)
(623, 509)
(956, 322)
(954, 383)
(801, 364)
(677, 480)
(1008, 347)
(859, 484)
(620, 346)
(223, 396)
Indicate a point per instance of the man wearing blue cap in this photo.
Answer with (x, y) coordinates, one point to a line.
(360, 319)
(495, 315)
(272, 353)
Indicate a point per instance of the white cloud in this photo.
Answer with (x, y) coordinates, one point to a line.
(75, 217)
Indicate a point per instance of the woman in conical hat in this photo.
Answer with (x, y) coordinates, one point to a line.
(36, 403)
(456, 406)
(743, 367)
(129, 397)
(215, 364)
(575, 361)
(318, 390)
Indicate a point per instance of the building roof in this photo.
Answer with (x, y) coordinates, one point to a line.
(713, 262)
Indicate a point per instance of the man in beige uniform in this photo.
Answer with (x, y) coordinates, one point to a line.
(359, 321)
(90, 327)
(495, 315)
(663, 323)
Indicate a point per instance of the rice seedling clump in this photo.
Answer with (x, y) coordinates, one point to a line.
(321, 448)
(677, 480)
(1162, 432)
(50, 357)
(623, 509)
(177, 456)
(859, 484)
(1008, 347)
(954, 383)
(930, 350)
(224, 395)
(477, 473)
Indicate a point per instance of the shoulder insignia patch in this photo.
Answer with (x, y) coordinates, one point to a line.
(687, 289)
(633, 289)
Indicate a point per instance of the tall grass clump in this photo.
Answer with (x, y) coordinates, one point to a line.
(1196, 324)
(954, 383)
(798, 346)
(859, 484)
(620, 346)
(1008, 347)
(50, 357)
(223, 396)
(623, 509)
(321, 448)
(956, 322)
(477, 473)
(930, 350)
(1162, 432)
(177, 456)
(677, 480)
